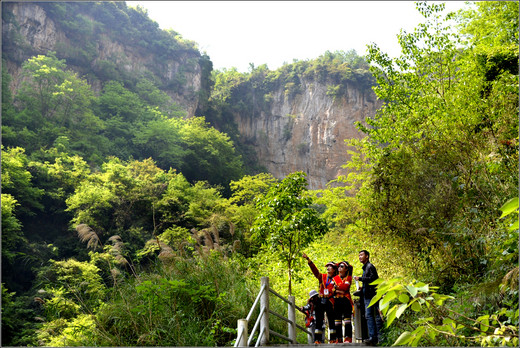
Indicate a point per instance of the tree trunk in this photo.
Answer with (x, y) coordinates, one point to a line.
(290, 277)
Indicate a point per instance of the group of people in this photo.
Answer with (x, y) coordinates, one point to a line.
(334, 299)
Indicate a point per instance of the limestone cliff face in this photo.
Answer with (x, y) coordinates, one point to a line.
(307, 132)
(303, 132)
(33, 32)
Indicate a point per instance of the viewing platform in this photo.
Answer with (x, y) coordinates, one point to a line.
(260, 334)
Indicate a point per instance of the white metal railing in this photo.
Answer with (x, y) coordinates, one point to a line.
(244, 338)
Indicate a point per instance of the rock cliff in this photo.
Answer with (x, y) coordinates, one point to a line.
(307, 132)
(304, 131)
(28, 30)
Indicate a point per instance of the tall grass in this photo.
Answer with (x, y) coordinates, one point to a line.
(182, 302)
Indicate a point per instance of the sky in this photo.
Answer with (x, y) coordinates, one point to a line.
(237, 33)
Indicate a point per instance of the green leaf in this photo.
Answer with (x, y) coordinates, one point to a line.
(449, 324)
(412, 290)
(376, 298)
(432, 334)
(423, 287)
(383, 306)
(377, 281)
(417, 333)
(404, 298)
(420, 284)
(403, 339)
(509, 207)
(424, 320)
(391, 316)
(387, 298)
(401, 310)
(373, 301)
(484, 322)
(416, 306)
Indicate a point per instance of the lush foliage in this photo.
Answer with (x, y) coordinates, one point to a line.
(125, 224)
(439, 159)
(286, 221)
(54, 107)
(440, 152)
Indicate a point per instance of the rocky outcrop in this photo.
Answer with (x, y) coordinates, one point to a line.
(31, 31)
(299, 132)
(307, 132)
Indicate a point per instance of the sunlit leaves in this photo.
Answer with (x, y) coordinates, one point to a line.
(491, 23)
(442, 144)
(286, 222)
(102, 200)
(509, 207)
(249, 188)
(396, 297)
(209, 154)
(17, 180)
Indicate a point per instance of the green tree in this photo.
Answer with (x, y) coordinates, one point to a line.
(70, 293)
(154, 97)
(12, 236)
(53, 102)
(119, 200)
(286, 221)
(122, 111)
(242, 210)
(17, 180)
(435, 319)
(491, 23)
(225, 82)
(431, 147)
(436, 166)
(161, 140)
(192, 147)
(210, 155)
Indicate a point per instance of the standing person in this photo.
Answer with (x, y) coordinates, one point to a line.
(374, 321)
(343, 302)
(310, 313)
(326, 302)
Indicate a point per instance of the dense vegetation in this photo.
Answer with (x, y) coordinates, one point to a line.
(124, 223)
(87, 25)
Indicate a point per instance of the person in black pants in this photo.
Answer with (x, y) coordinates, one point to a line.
(343, 302)
(374, 321)
(326, 300)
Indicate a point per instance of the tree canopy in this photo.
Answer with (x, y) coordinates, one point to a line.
(126, 223)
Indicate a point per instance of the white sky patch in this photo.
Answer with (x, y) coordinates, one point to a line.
(236, 33)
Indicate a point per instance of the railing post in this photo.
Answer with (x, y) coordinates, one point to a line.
(264, 306)
(291, 315)
(310, 338)
(242, 328)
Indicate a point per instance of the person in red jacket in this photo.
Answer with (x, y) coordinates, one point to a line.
(343, 302)
(326, 303)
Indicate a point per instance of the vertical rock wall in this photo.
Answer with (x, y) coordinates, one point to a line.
(307, 132)
(34, 32)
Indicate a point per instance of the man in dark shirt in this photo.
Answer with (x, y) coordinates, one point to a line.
(374, 321)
